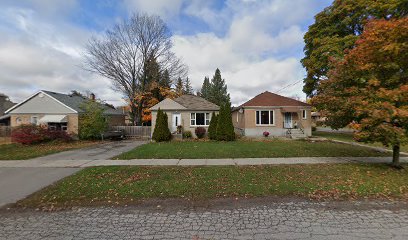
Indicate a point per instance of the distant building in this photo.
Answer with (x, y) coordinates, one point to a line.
(58, 111)
(5, 104)
(275, 114)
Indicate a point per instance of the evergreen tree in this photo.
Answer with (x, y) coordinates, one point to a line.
(225, 128)
(212, 129)
(187, 87)
(205, 89)
(165, 80)
(179, 87)
(161, 130)
(218, 90)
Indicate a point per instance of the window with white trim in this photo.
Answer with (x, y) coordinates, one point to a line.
(200, 119)
(34, 120)
(304, 114)
(265, 117)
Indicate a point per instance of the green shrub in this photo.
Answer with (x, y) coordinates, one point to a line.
(187, 134)
(313, 128)
(225, 128)
(92, 122)
(212, 129)
(161, 130)
(200, 132)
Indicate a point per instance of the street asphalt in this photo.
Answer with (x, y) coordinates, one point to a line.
(230, 219)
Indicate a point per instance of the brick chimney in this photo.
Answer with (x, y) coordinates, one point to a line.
(92, 96)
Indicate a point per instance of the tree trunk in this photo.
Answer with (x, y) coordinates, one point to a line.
(139, 120)
(133, 114)
(396, 155)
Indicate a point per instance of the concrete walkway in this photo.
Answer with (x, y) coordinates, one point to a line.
(102, 151)
(18, 183)
(18, 179)
(39, 163)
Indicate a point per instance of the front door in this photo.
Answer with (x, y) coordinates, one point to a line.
(288, 120)
(176, 121)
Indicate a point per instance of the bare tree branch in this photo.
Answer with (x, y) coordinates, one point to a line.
(122, 55)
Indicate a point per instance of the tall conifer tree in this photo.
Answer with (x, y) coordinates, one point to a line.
(218, 90)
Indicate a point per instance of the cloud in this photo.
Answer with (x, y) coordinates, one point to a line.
(254, 54)
(164, 8)
(36, 54)
(245, 76)
(256, 44)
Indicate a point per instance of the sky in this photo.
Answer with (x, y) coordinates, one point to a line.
(257, 44)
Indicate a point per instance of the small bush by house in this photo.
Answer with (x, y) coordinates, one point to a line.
(187, 134)
(200, 132)
(31, 134)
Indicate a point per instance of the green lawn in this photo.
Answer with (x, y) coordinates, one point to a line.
(126, 184)
(23, 152)
(348, 137)
(247, 149)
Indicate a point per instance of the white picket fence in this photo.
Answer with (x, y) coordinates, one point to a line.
(134, 131)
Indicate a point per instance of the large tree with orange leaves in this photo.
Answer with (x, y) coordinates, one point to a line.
(369, 87)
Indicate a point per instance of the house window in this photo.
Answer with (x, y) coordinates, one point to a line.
(58, 126)
(18, 120)
(200, 119)
(265, 117)
(304, 116)
(34, 120)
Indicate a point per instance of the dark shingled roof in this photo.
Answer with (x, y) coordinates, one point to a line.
(192, 102)
(75, 102)
(267, 99)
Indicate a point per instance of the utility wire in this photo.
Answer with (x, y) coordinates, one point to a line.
(290, 85)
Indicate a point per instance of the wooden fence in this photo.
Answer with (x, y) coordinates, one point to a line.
(5, 131)
(135, 131)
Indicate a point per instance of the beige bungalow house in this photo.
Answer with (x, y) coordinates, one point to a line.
(58, 111)
(278, 115)
(188, 111)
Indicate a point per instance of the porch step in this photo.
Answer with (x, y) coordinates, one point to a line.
(297, 133)
(176, 136)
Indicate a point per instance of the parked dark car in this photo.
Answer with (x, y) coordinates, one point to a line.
(113, 135)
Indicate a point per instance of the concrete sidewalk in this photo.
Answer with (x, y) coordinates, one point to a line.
(39, 163)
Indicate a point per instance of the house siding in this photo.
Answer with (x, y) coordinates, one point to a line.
(72, 124)
(248, 121)
(116, 120)
(185, 119)
(43, 105)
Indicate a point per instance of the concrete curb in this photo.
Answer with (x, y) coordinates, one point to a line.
(379, 149)
(191, 162)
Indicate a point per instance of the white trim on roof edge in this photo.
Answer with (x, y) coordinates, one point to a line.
(35, 94)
